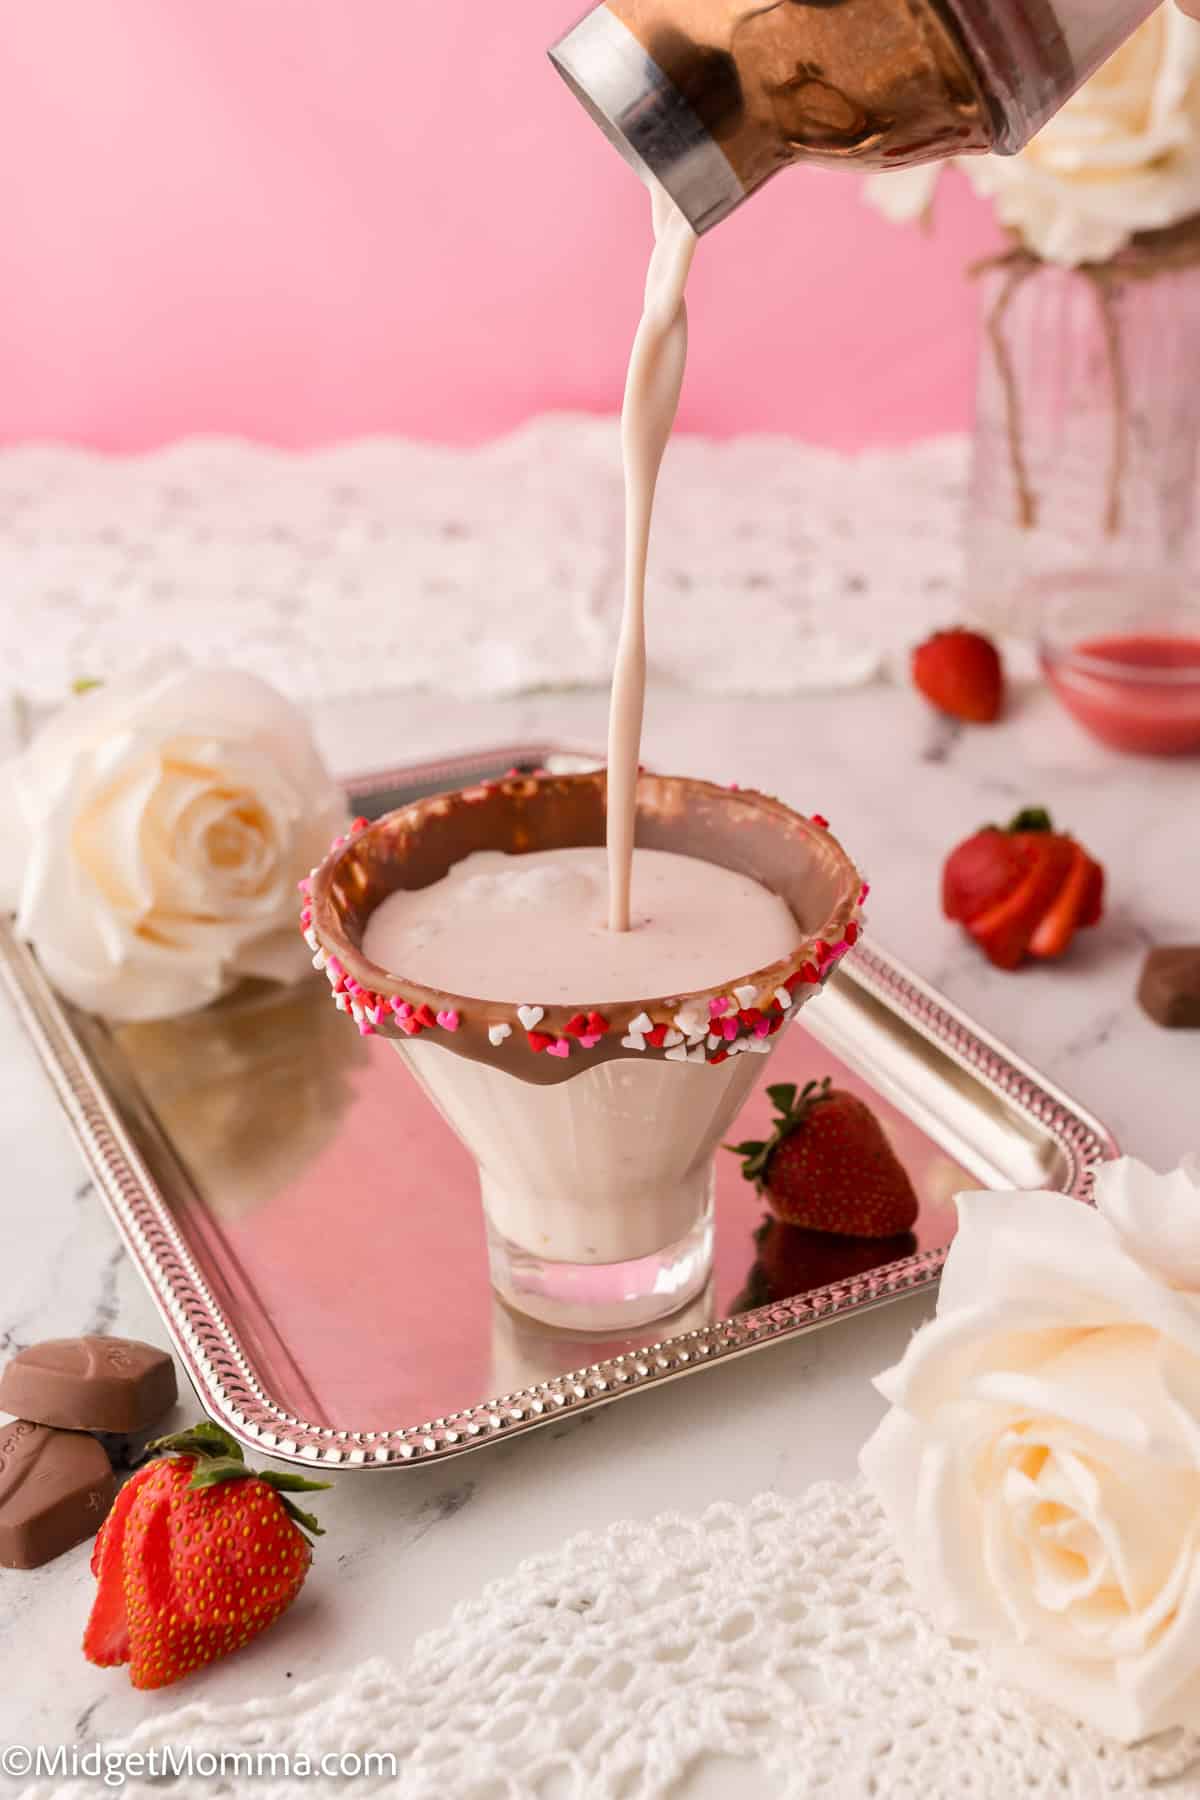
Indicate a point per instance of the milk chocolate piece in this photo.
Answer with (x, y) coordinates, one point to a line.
(90, 1384)
(1170, 986)
(55, 1490)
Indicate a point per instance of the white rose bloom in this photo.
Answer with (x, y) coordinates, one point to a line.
(152, 836)
(1040, 1467)
(1122, 156)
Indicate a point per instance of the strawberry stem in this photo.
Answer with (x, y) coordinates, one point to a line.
(1031, 818)
(219, 1459)
(791, 1110)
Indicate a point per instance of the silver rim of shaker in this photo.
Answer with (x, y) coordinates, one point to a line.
(645, 116)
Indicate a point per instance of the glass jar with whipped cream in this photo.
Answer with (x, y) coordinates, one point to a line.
(712, 97)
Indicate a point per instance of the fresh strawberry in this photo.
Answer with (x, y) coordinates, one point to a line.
(198, 1555)
(828, 1166)
(1024, 891)
(960, 673)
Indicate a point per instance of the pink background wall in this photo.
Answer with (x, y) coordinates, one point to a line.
(306, 219)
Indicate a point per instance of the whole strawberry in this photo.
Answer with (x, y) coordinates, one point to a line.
(828, 1166)
(198, 1555)
(960, 673)
(1023, 891)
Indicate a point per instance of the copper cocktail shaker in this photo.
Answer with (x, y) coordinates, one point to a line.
(713, 96)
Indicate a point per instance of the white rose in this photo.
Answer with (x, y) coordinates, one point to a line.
(1040, 1467)
(152, 836)
(1122, 156)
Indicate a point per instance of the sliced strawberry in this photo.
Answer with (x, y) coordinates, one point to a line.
(106, 1637)
(1063, 916)
(987, 868)
(1004, 931)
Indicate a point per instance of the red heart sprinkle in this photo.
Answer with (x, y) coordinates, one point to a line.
(656, 1036)
(720, 1057)
(597, 1024)
(749, 1017)
(540, 1040)
(424, 1016)
(851, 934)
(576, 1026)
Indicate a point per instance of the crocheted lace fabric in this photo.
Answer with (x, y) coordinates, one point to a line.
(778, 1641)
(386, 564)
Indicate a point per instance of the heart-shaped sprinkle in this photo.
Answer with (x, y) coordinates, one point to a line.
(821, 820)
(539, 1040)
(758, 1044)
(677, 1053)
(657, 1036)
(783, 998)
(531, 1016)
(672, 1038)
(498, 1033)
(448, 1020)
(366, 1029)
(697, 1055)
(312, 940)
(712, 1040)
(576, 1025)
(597, 1024)
(374, 1014)
(588, 1042)
(746, 995)
(635, 1041)
(401, 1008)
(720, 1057)
(561, 1048)
(729, 1029)
(718, 1006)
(642, 1024)
(762, 1029)
(356, 1012)
(319, 959)
(335, 968)
(748, 1017)
(342, 1002)
(852, 934)
(425, 1016)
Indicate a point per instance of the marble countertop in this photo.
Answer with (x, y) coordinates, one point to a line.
(900, 786)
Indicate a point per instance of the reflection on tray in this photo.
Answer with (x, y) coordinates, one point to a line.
(789, 1260)
(248, 1092)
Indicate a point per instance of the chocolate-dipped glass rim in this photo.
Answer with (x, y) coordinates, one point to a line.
(796, 857)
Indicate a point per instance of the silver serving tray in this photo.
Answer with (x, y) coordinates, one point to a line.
(311, 1231)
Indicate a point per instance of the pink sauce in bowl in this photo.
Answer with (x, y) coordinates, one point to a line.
(1135, 691)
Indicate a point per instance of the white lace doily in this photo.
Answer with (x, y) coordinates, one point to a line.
(781, 1635)
(386, 564)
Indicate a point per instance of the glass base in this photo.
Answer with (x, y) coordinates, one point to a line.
(603, 1297)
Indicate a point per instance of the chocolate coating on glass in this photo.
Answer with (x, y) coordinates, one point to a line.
(748, 832)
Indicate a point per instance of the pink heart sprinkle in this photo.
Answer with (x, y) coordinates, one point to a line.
(334, 966)
(366, 1029)
(448, 1020)
(719, 1006)
(729, 1028)
(588, 1043)
(561, 1048)
(402, 1009)
(762, 1028)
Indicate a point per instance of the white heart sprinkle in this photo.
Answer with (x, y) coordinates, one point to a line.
(760, 1046)
(341, 1002)
(697, 1037)
(672, 1038)
(697, 1055)
(356, 1013)
(745, 996)
(692, 1019)
(374, 1013)
(531, 1016)
(319, 960)
(714, 1041)
(498, 1033)
(635, 1041)
(642, 1023)
(783, 997)
(678, 1053)
(311, 939)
